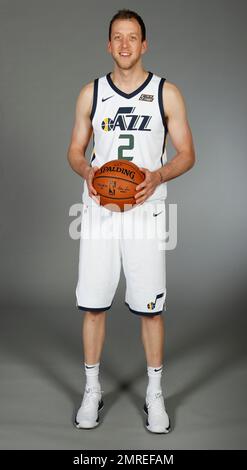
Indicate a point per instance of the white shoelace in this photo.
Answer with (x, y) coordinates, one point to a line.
(156, 401)
(90, 393)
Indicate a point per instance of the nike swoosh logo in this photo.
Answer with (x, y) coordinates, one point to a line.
(157, 370)
(90, 367)
(155, 215)
(104, 99)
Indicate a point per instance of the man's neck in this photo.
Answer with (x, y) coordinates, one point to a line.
(128, 80)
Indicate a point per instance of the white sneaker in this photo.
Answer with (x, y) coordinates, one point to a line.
(157, 417)
(87, 416)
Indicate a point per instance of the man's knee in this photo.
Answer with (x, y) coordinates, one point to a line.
(95, 315)
(152, 318)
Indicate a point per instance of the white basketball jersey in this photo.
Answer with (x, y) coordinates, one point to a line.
(129, 126)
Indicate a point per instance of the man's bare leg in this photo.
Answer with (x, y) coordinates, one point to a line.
(153, 342)
(152, 330)
(93, 336)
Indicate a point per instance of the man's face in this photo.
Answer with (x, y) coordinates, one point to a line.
(126, 46)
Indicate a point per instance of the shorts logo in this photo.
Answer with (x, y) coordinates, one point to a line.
(151, 305)
(155, 215)
(146, 98)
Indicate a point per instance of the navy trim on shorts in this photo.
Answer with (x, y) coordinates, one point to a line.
(146, 314)
(90, 309)
(95, 97)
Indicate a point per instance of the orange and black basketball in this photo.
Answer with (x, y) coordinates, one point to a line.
(115, 183)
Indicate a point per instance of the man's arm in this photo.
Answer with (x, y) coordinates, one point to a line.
(81, 135)
(180, 133)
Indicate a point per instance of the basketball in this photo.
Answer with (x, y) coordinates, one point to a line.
(115, 183)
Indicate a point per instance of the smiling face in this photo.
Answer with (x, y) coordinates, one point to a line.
(126, 46)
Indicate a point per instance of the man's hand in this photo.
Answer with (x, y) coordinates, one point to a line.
(89, 175)
(148, 186)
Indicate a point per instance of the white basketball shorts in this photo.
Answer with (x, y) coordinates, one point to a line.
(134, 239)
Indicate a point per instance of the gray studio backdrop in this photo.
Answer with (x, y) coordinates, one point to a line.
(48, 51)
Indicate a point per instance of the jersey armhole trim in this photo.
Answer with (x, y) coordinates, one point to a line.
(95, 97)
(161, 105)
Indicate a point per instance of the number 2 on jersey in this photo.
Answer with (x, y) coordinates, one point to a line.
(128, 146)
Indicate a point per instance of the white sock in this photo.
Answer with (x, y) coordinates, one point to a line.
(154, 382)
(92, 375)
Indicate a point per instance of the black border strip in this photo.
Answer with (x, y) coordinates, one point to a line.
(135, 92)
(182, 458)
(95, 97)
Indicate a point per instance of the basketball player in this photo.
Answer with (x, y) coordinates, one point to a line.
(130, 112)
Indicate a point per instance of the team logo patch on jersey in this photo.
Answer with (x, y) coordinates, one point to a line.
(107, 124)
(151, 305)
(146, 97)
(125, 120)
